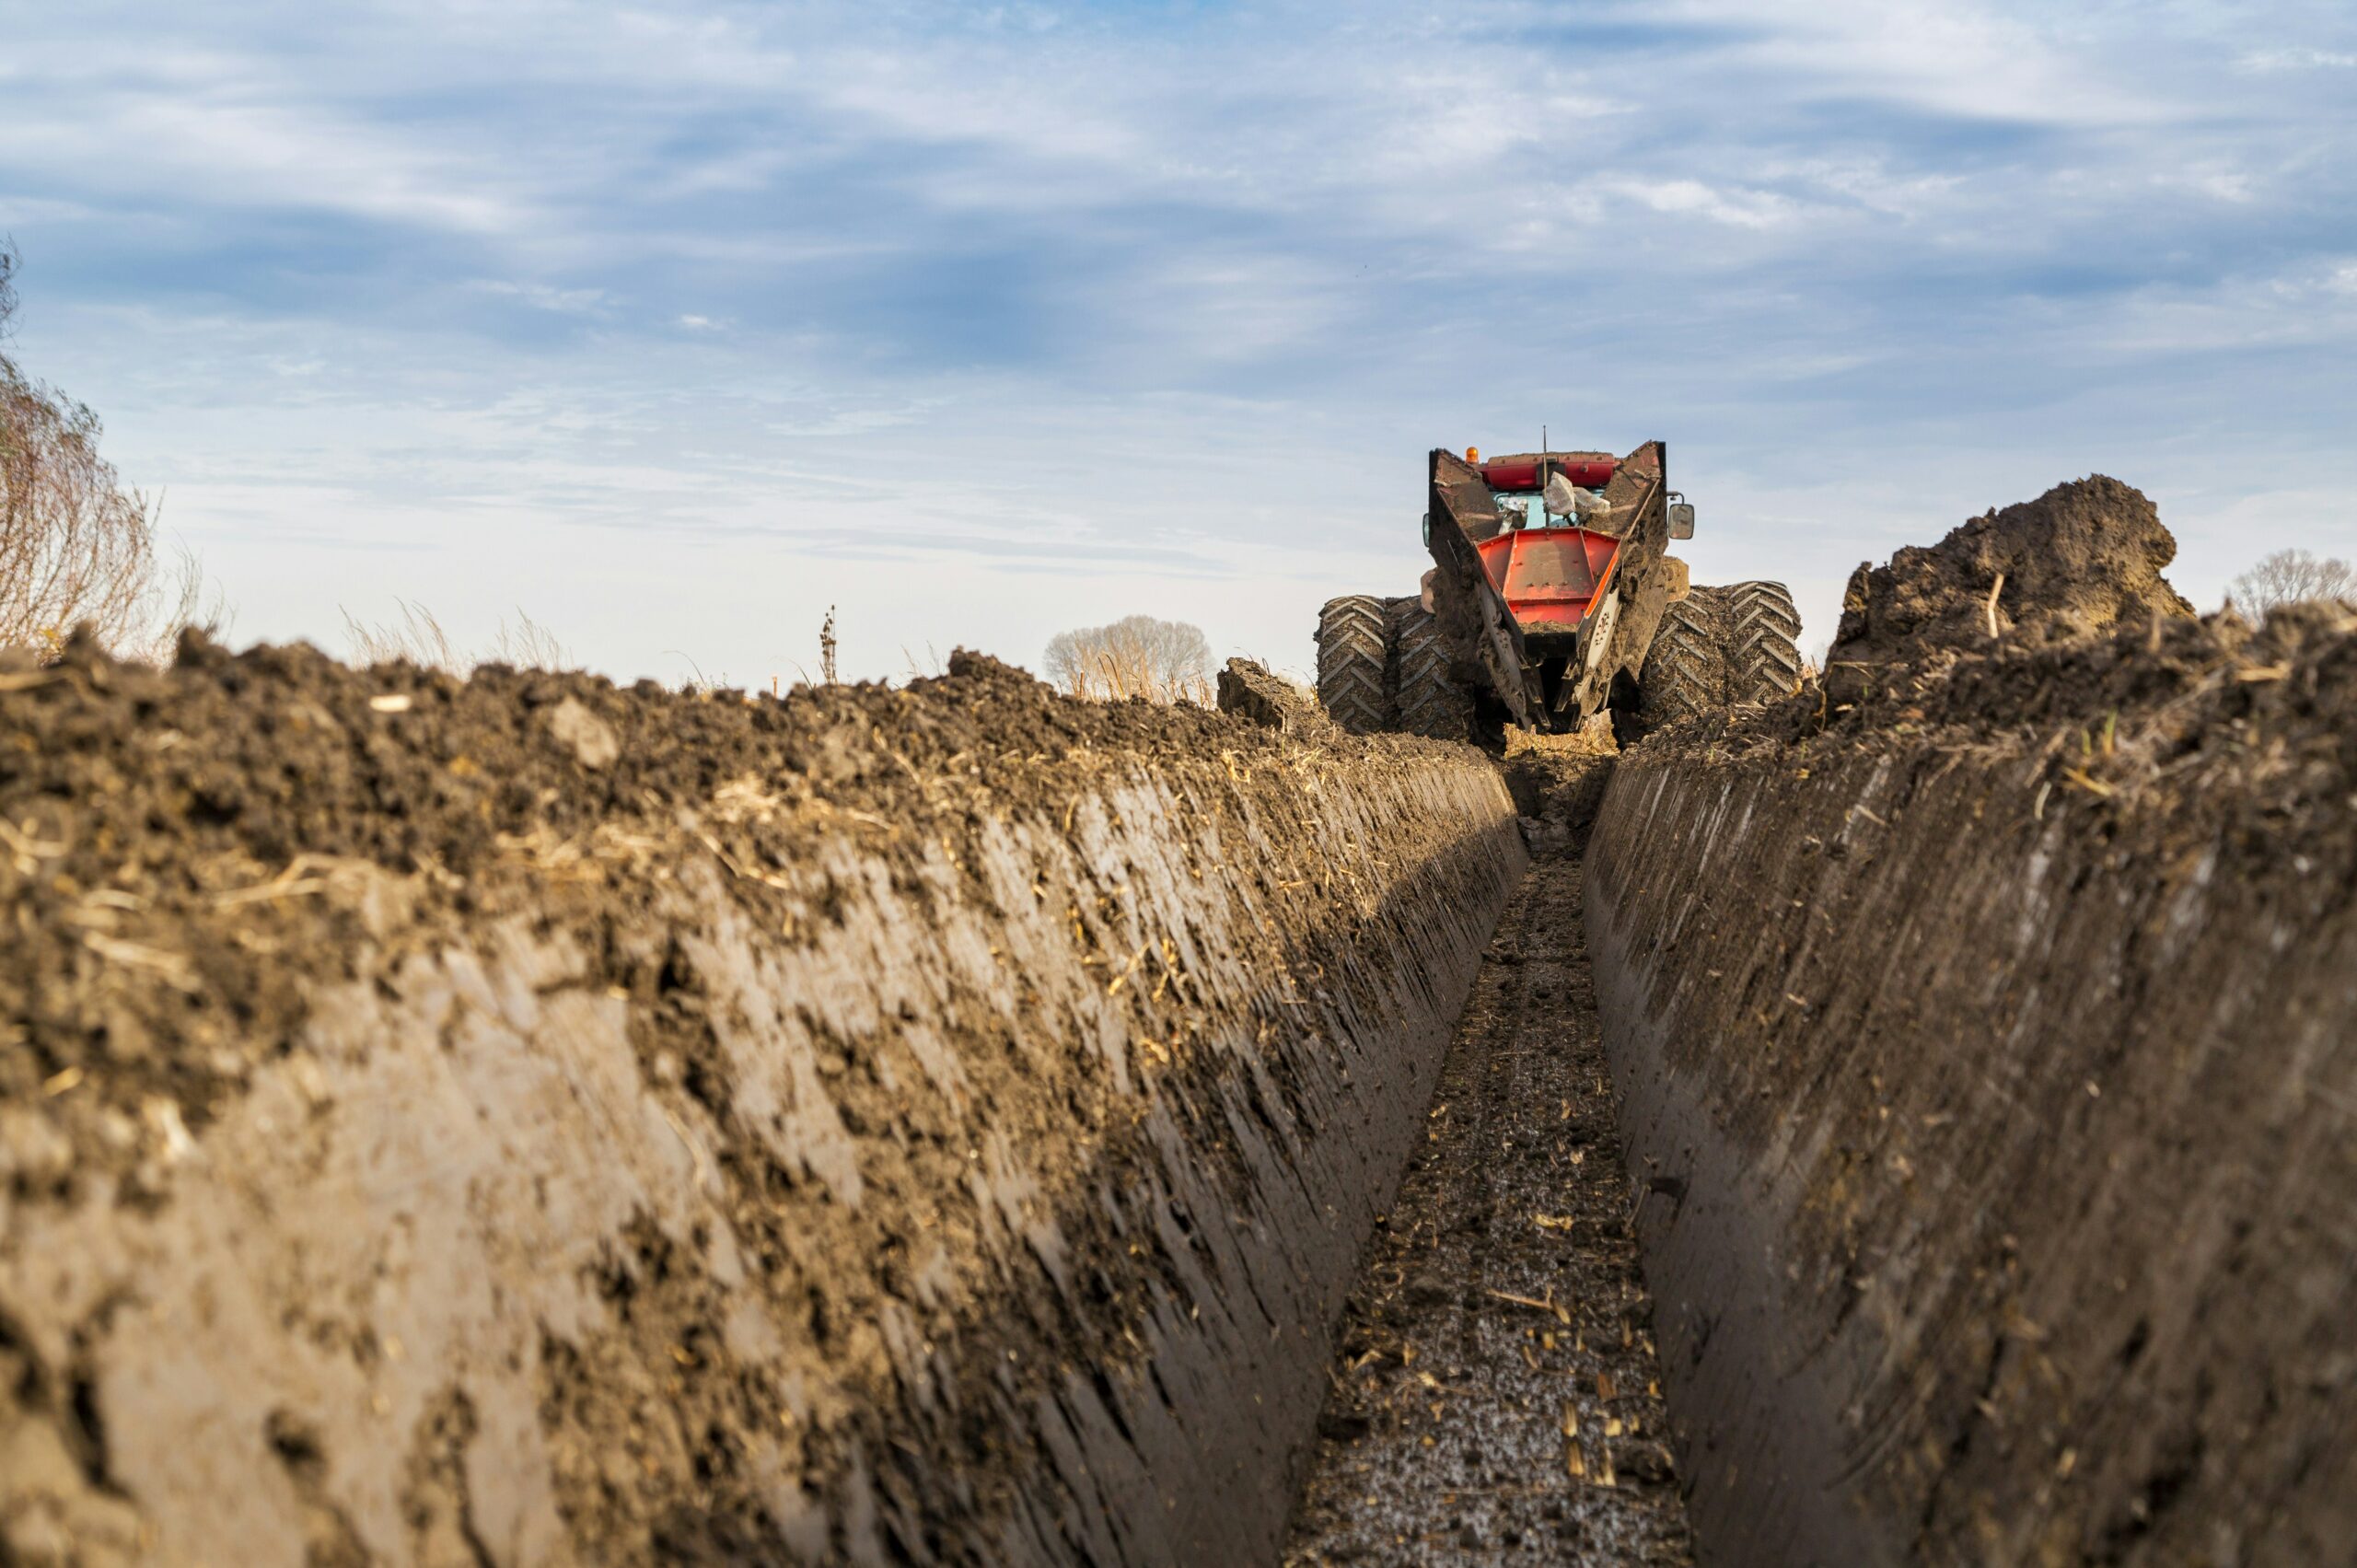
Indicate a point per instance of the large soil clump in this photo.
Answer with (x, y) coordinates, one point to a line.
(2082, 558)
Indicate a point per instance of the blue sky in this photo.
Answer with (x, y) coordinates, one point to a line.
(672, 326)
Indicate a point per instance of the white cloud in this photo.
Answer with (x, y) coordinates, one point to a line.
(543, 297)
(1735, 208)
(18, 209)
(2226, 185)
(1965, 58)
(2297, 59)
(217, 143)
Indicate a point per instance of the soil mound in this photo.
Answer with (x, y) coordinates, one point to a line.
(2081, 558)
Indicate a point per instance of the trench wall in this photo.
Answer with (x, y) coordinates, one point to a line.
(1996, 1128)
(766, 1168)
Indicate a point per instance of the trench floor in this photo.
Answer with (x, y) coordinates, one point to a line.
(1496, 1394)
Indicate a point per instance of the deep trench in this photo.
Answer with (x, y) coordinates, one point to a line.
(1495, 1393)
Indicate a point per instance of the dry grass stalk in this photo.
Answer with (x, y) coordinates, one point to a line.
(418, 638)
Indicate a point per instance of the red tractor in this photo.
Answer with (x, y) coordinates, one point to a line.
(1553, 600)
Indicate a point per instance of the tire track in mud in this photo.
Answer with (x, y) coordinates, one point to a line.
(1496, 1395)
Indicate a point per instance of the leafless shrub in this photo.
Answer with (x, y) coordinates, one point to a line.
(1163, 661)
(182, 599)
(2291, 576)
(77, 548)
(827, 647)
(418, 638)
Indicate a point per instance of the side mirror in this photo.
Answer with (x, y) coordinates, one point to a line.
(1681, 519)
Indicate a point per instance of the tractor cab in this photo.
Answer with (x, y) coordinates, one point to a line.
(1552, 554)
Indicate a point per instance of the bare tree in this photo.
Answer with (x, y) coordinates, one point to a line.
(2291, 576)
(77, 548)
(1165, 661)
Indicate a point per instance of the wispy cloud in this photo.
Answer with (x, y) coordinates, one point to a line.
(2299, 59)
(1737, 208)
(542, 297)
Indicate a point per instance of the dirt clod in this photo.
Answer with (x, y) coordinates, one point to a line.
(2082, 558)
(590, 739)
(1247, 690)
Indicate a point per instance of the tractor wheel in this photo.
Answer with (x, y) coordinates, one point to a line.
(1685, 670)
(1423, 692)
(1352, 651)
(1762, 662)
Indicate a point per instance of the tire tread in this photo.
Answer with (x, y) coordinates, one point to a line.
(1425, 695)
(1353, 650)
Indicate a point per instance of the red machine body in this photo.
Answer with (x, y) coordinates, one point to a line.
(1522, 474)
(1549, 577)
(1547, 611)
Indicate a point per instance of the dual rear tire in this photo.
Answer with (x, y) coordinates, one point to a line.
(1717, 647)
(1383, 666)
(1426, 696)
(1353, 648)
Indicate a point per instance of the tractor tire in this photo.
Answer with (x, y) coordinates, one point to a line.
(1425, 692)
(1763, 663)
(1352, 654)
(1685, 670)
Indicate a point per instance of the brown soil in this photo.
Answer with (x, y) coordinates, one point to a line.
(527, 1120)
(141, 805)
(2082, 558)
(1995, 1013)
(1558, 783)
(1250, 693)
(1495, 1394)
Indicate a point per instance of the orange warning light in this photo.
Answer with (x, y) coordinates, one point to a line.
(1472, 454)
